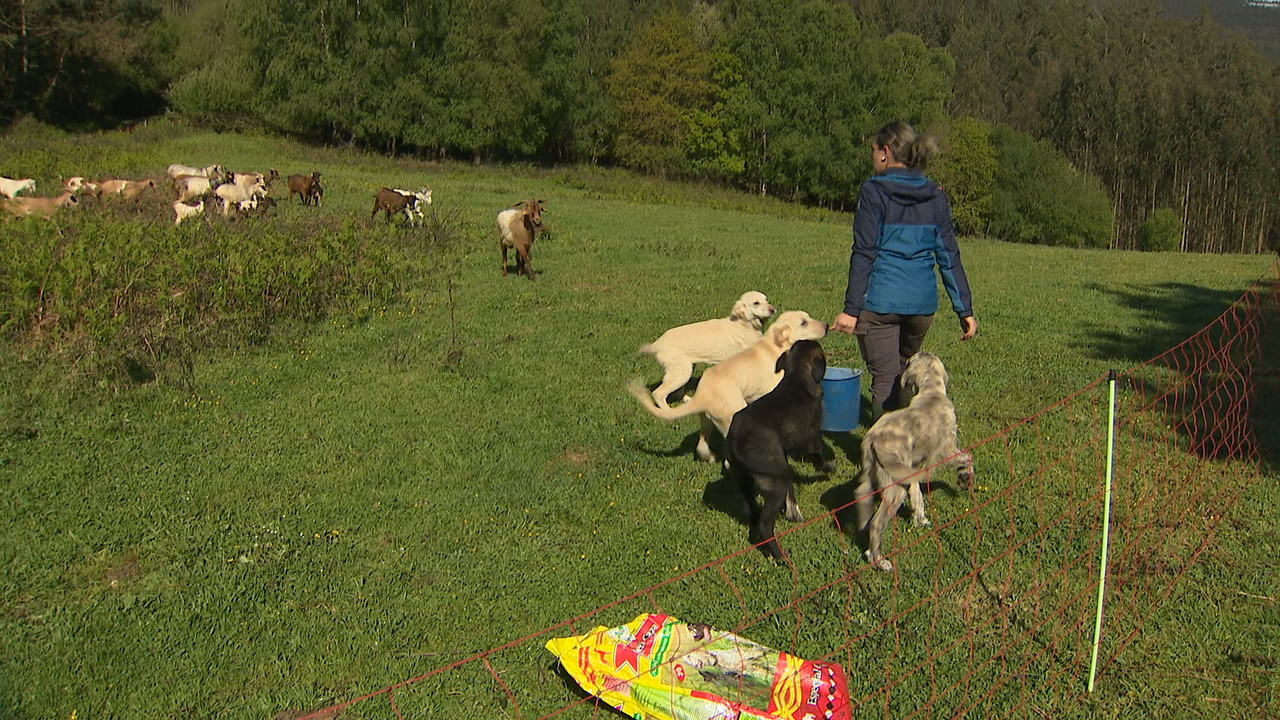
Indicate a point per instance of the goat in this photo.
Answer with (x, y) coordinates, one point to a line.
(175, 171)
(233, 194)
(80, 186)
(38, 206)
(414, 211)
(519, 227)
(303, 186)
(248, 180)
(10, 187)
(127, 189)
(393, 202)
(133, 189)
(192, 187)
(260, 206)
(184, 211)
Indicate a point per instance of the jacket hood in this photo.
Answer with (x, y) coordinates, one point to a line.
(909, 187)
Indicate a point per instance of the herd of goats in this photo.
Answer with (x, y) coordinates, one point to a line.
(198, 189)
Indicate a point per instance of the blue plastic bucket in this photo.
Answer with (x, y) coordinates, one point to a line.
(841, 399)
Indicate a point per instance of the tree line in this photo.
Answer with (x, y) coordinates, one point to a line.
(1075, 123)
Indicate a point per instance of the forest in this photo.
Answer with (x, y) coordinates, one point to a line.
(1085, 124)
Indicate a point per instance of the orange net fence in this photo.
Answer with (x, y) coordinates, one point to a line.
(990, 611)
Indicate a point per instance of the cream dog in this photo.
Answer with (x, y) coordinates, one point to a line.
(900, 450)
(728, 387)
(709, 341)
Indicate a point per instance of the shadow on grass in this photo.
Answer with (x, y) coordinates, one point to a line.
(687, 446)
(1213, 374)
(1169, 312)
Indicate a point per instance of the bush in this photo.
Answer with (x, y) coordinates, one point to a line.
(1041, 198)
(1162, 231)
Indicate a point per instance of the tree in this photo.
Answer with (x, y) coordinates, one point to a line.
(966, 170)
(92, 63)
(660, 83)
(1041, 198)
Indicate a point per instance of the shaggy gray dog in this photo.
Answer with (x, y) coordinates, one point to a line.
(900, 450)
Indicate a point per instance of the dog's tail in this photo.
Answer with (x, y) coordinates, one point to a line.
(865, 494)
(647, 348)
(669, 413)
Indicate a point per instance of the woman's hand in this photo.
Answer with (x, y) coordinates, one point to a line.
(844, 323)
(968, 327)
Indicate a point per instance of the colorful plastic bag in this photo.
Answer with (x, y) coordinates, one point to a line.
(659, 668)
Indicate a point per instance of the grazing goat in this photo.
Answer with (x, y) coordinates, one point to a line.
(182, 211)
(175, 171)
(10, 187)
(519, 227)
(38, 206)
(414, 210)
(307, 188)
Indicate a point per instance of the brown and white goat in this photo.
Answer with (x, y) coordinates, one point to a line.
(307, 188)
(518, 227)
(393, 202)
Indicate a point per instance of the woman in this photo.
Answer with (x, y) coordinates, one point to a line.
(901, 232)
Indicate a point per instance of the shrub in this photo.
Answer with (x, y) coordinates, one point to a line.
(124, 299)
(1041, 198)
(1162, 231)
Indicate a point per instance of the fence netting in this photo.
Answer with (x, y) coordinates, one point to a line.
(990, 611)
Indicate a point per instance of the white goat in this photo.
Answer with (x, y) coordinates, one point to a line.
(248, 180)
(232, 194)
(192, 187)
(176, 170)
(182, 211)
(10, 187)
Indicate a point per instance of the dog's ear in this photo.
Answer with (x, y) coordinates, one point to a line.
(818, 368)
(784, 362)
(782, 335)
(741, 311)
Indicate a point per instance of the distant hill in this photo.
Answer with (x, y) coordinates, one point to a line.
(1257, 20)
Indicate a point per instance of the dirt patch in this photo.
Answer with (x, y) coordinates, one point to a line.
(577, 456)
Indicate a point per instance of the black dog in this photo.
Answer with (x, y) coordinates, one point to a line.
(786, 420)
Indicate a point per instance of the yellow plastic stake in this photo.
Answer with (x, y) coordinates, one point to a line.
(1106, 528)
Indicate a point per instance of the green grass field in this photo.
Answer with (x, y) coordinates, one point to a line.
(357, 503)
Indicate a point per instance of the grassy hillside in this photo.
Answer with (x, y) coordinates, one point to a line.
(357, 503)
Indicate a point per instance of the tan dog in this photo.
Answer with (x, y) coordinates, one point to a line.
(899, 451)
(709, 341)
(728, 387)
